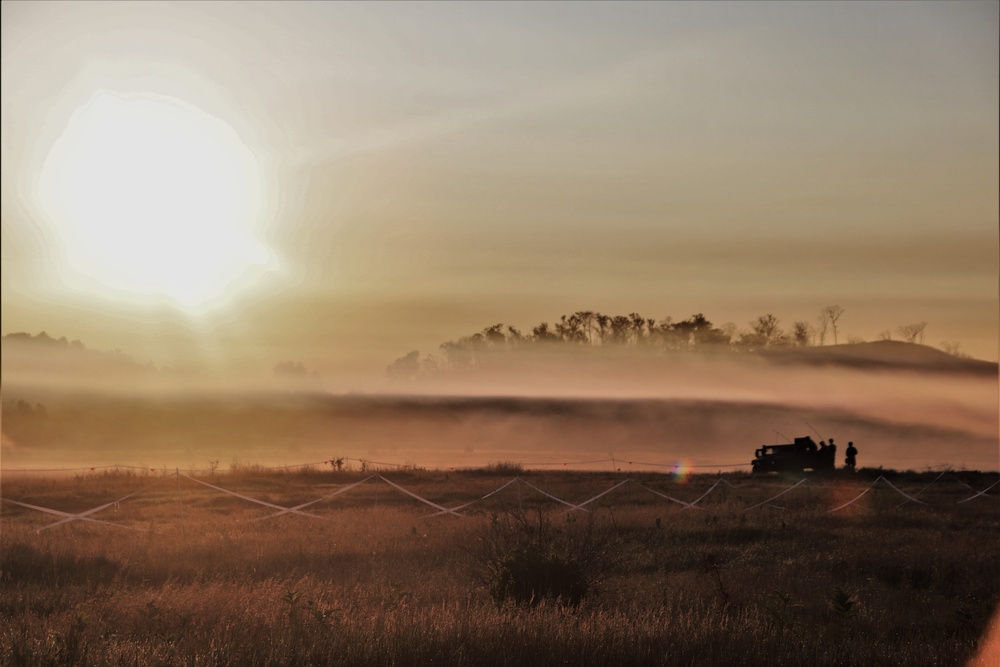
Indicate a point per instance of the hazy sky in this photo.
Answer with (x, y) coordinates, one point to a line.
(399, 175)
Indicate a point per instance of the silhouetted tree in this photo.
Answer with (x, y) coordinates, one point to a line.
(824, 326)
(709, 335)
(571, 330)
(621, 327)
(833, 314)
(696, 331)
(603, 323)
(543, 334)
(952, 347)
(666, 335)
(459, 354)
(764, 332)
(801, 333)
(767, 328)
(912, 333)
(687, 330)
(638, 323)
(514, 336)
(587, 323)
(405, 368)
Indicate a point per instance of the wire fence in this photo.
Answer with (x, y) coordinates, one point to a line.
(986, 494)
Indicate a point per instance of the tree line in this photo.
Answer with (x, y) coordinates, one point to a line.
(587, 328)
(75, 349)
(53, 347)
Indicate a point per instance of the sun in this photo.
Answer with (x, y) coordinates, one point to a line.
(151, 197)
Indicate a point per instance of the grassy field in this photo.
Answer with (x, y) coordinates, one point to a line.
(190, 575)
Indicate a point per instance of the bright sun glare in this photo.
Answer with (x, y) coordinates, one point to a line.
(152, 197)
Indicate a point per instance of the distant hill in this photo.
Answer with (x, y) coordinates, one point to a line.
(41, 353)
(881, 354)
(43, 360)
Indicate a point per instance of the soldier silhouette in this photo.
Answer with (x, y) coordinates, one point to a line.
(825, 455)
(850, 460)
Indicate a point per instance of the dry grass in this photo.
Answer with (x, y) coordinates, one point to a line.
(379, 581)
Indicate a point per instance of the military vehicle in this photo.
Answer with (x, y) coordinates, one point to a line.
(802, 455)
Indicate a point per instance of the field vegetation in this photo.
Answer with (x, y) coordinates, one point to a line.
(190, 575)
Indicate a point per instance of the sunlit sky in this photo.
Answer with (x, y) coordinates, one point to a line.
(339, 183)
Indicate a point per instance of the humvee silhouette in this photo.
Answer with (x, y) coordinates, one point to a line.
(799, 456)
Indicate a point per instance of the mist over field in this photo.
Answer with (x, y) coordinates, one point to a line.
(905, 406)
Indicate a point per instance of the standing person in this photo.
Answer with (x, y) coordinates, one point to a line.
(850, 460)
(823, 455)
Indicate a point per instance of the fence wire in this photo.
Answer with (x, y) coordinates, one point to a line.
(456, 511)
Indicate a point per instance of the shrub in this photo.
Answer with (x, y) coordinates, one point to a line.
(523, 558)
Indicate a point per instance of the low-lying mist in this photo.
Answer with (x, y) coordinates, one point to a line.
(559, 406)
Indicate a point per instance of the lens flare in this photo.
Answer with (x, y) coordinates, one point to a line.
(681, 471)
